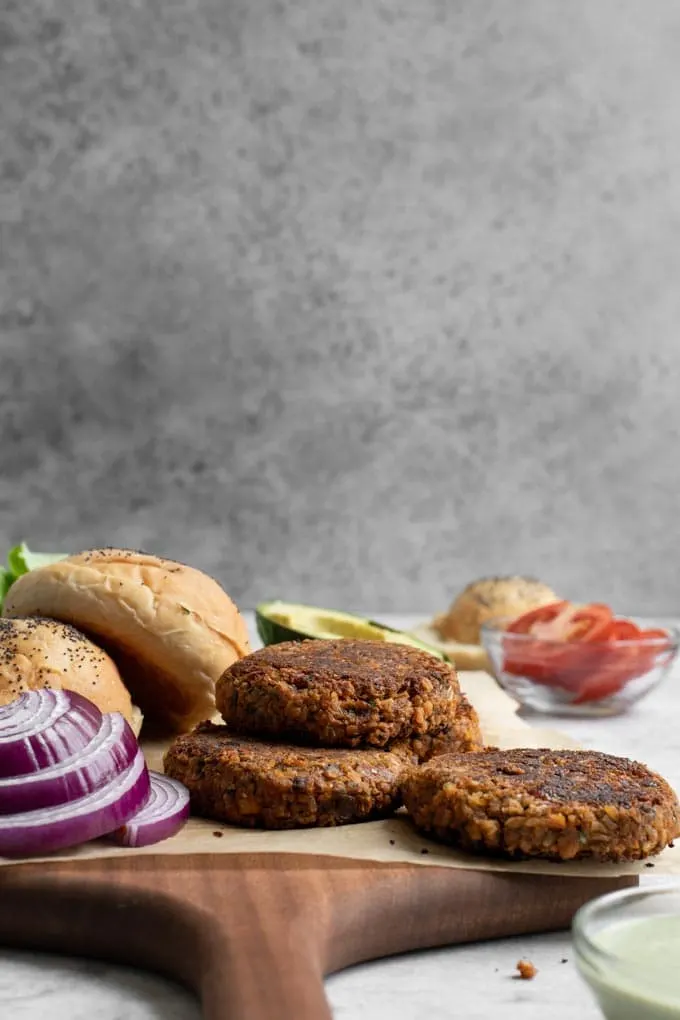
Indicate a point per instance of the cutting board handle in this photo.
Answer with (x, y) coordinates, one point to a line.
(281, 979)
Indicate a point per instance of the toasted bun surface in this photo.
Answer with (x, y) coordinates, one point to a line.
(38, 653)
(489, 597)
(171, 629)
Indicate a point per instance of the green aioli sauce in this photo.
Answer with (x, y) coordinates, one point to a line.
(643, 983)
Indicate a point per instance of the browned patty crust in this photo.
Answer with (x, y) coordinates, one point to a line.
(558, 805)
(342, 693)
(278, 786)
(462, 734)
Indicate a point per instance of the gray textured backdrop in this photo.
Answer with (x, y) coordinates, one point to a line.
(347, 302)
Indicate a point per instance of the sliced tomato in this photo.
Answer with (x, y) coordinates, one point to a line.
(647, 656)
(576, 623)
(557, 629)
(603, 683)
(622, 630)
(616, 665)
(563, 621)
(538, 660)
(591, 622)
(582, 649)
(611, 668)
(543, 614)
(530, 658)
(655, 633)
(570, 669)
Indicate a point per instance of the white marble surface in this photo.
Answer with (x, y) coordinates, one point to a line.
(470, 982)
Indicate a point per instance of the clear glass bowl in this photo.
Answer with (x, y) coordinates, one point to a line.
(627, 948)
(577, 678)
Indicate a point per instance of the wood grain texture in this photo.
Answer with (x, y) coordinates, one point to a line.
(254, 935)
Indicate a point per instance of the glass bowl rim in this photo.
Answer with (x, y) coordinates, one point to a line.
(583, 943)
(494, 628)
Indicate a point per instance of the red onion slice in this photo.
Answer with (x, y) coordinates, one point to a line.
(164, 814)
(41, 728)
(41, 832)
(109, 753)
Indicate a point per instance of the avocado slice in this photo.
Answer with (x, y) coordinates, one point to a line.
(288, 621)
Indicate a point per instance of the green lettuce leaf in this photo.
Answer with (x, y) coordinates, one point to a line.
(6, 580)
(20, 560)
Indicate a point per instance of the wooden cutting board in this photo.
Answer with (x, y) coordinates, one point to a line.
(254, 934)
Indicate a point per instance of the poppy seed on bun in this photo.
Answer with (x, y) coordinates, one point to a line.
(37, 653)
(171, 629)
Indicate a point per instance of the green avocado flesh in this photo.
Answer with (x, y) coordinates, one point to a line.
(287, 621)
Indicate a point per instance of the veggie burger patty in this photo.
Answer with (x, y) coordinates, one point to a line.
(558, 805)
(277, 786)
(346, 693)
(461, 733)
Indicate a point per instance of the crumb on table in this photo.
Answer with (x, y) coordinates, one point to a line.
(526, 970)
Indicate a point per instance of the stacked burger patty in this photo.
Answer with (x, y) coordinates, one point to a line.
(320, 733)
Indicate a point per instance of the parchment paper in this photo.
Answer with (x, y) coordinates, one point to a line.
(394, 840)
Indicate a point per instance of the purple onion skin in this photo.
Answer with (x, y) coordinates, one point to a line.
(152, 832)
(72, 829)
(69, 733)
(80, 778)
(153, 824)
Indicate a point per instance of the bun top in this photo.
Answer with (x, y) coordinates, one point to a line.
(171, 629)
(489, 597)
(39, 653)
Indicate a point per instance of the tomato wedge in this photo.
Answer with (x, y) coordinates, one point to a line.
(530, 658)
(623, 630)
(582, 649)
(543, 614)
(562, 621)
(652, 634)
(538, 660)
(556, 629)
(614, 665)
(606, 677)
(647, 656)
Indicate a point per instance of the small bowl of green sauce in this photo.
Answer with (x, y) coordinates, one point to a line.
(628, 950)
